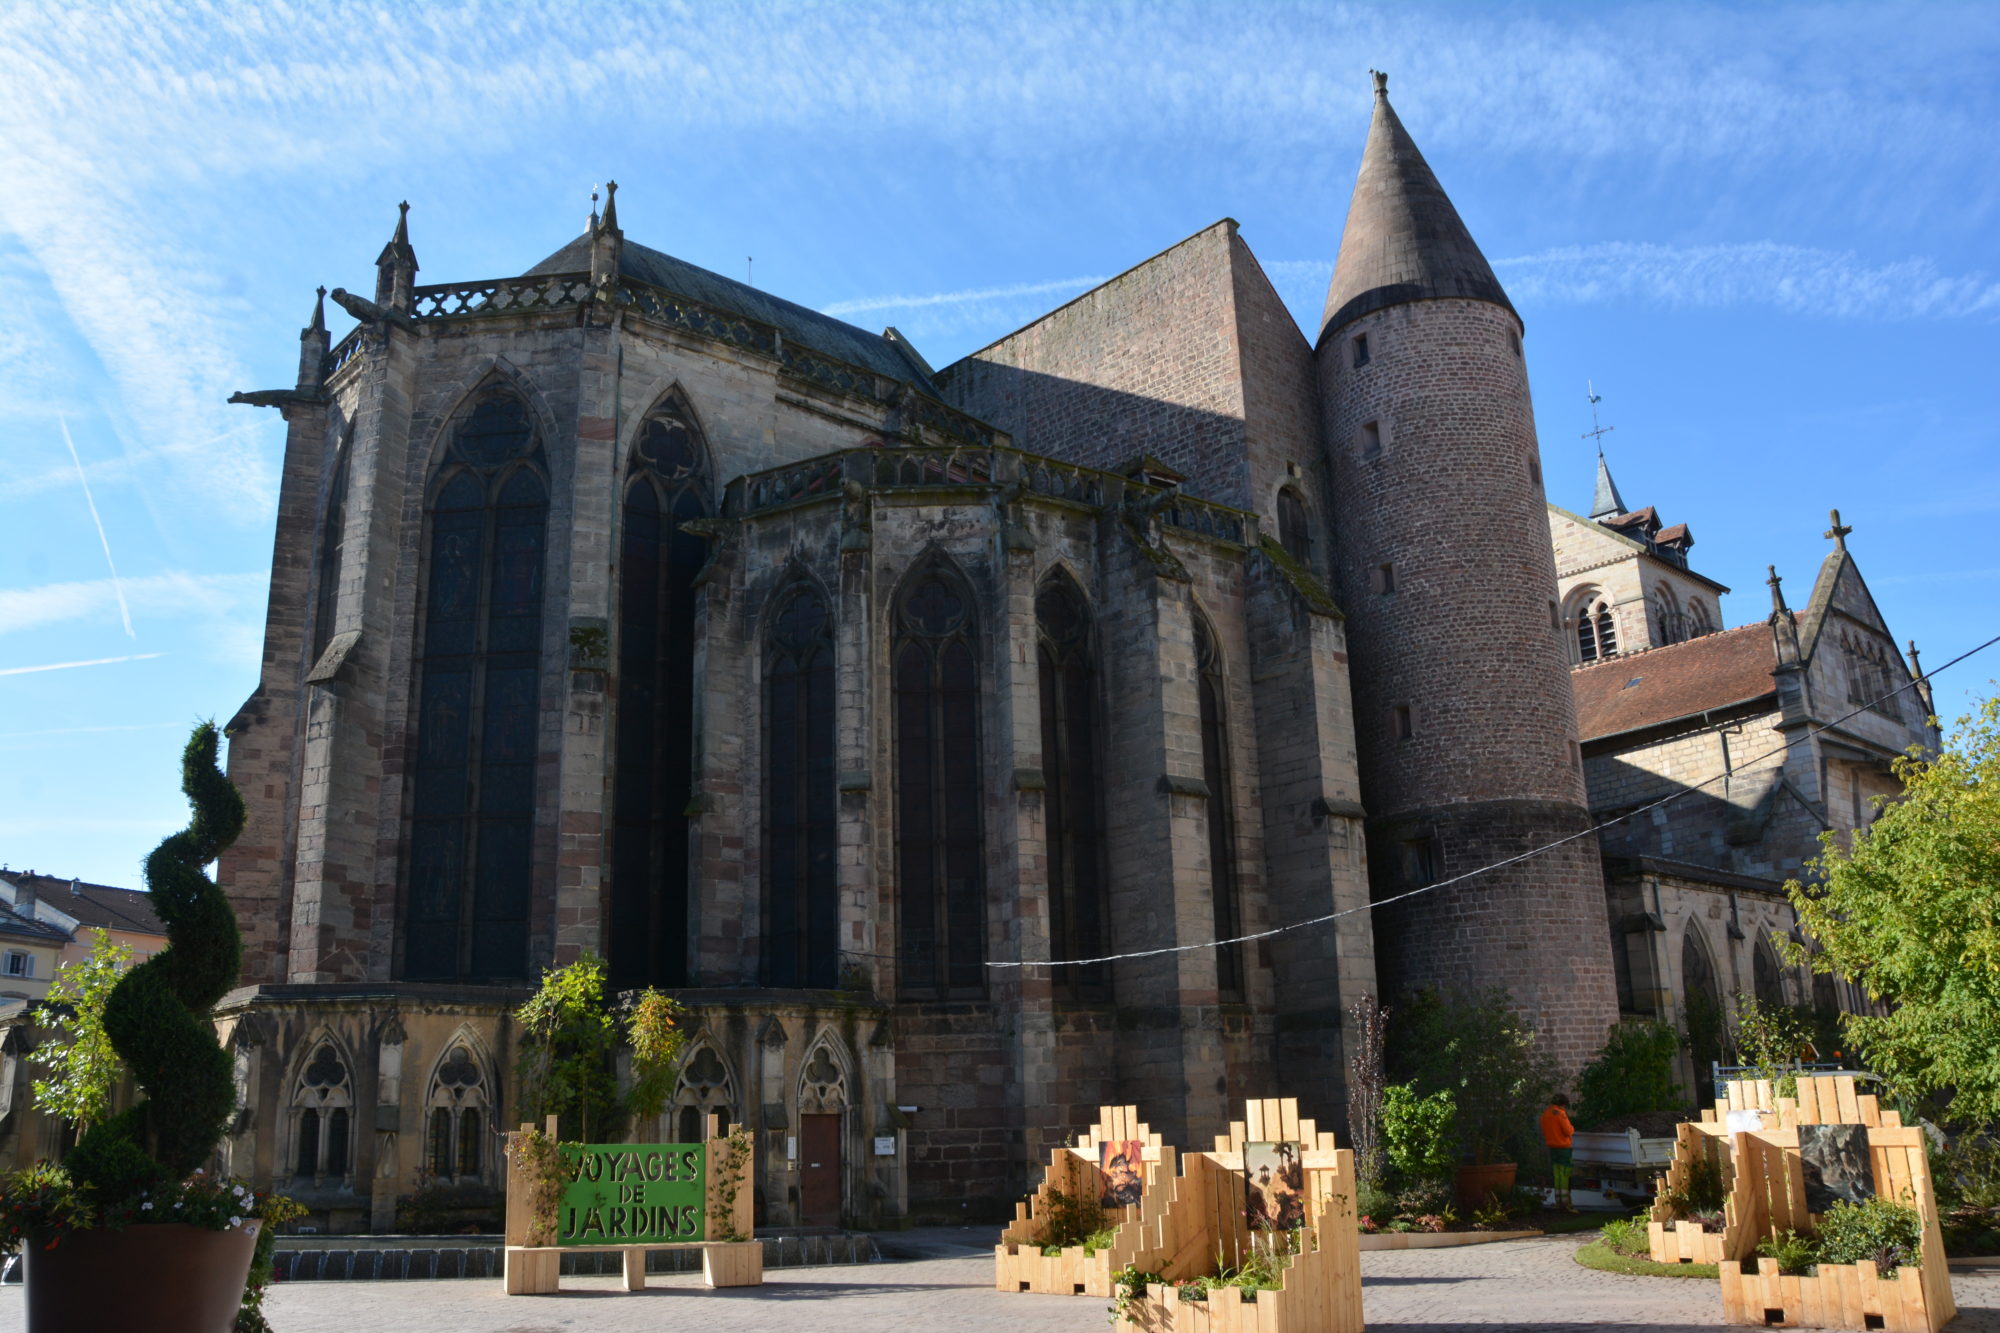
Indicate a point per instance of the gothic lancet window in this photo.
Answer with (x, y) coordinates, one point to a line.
(322, 1117)
(455, 1147)
(332, 541)
(657, 562)
(1701, 1003)
(1221, 811)
(802, 905)
(478, 713)
(1078, 911)
(939, 848)
(1294, 533)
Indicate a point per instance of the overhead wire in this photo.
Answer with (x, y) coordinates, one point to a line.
(1517, 859)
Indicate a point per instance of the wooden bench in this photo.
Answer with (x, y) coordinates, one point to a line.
(536, 1270)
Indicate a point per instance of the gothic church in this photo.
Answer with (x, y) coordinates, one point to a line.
(621, 607)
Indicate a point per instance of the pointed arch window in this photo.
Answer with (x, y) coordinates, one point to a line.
(1669, 620)
(939, 847)
(657, 563)
(332, 547)
(1221, 810)
(1294, 532)
(1072, 767)
(705, 1089)
(322, 1117)
(455, 1147)
(1701, 1003)
(802, 898)
(1768, 977)
(478, 714)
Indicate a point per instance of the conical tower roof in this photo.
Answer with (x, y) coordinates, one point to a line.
(1404, 241)
(1607, 502)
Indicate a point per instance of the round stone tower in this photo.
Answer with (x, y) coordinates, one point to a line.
(1463, 712)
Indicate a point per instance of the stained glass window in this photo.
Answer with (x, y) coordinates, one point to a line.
(1221, 812)
(939, 846)
(657, 562)
(479, 706)
(1074, 803)
(802, 905)
(332, 541)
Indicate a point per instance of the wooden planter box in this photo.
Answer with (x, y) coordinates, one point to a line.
(1018, 1261)
(1204, 1225)
(1912, 1300)
(1683, 1242)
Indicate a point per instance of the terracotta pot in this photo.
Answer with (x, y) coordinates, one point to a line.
(164, 1278)
(1473, 1183)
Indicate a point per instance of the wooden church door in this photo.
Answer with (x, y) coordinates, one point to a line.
(819, 1170)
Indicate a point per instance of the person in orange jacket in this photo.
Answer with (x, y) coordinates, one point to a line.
(1559, 1134)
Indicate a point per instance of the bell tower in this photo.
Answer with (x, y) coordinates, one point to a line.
(1463, 713)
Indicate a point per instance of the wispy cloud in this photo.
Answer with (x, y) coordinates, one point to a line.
(1793, 278)
(67, 666)
(157, 595)
(84, 731)
(1941, 576)
(118, 588)
(983, 295)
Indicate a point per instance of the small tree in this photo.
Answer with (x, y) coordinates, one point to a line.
(1476, 1047)
(1634, 1073)
(1771, 1038)
(84, 1069)
(1366, 1077)
(1908, 910)
(567, 1043)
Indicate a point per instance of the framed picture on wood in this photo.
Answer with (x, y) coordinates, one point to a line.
(1274, 1186)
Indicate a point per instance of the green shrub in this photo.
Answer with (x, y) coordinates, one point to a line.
(1704, 1196)
(1795, 1253)
(1420, 1133)
(1633, 1073)
(157, 1014)
(1890, 1233)
(1373, 1201)
(1070, 1219)
(1627, 1236)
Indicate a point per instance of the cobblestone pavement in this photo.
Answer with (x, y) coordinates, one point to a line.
(1529, 1284)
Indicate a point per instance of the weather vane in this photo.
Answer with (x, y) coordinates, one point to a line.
(1596, 432)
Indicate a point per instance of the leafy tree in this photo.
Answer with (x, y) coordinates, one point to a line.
(567, 1044)
(1477, 1048)
(1420, 1133)
(1633, 1073)
(1771, 1038)
(1909, 910)
(83, 1068)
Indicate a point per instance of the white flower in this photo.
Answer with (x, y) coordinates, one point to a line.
(147, 1205)
(236, 1221)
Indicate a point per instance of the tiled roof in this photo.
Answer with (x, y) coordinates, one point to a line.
(95, 904)
(14, 925)
(1681, 680)
(803, 325)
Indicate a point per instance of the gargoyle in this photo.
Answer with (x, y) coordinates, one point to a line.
(276, 397)
(368, 312)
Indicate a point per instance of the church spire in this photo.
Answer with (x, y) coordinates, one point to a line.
(313, 345)
(1607, 502)
(396, 266)
(607, 242)
(1404, 240)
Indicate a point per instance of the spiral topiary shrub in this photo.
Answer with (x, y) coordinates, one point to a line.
(158, 1015)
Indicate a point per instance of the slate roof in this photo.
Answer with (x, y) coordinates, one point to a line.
(1680, 680)
(94, 904)
(16, 926)
(822, 333)
(1404, 240)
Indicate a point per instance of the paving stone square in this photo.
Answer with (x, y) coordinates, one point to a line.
(1528, 1284)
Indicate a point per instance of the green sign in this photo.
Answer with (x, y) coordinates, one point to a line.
(633, 1193)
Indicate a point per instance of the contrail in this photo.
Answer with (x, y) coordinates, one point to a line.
(116, 585)
(865, 304)
(64, 666)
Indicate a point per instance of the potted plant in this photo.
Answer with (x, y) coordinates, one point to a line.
(130, 1231)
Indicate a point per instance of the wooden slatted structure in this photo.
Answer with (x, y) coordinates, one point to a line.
(1767, 1196)
(536, 1270)
(1204, 1225)
(1020, 1265)
(1828, 1099)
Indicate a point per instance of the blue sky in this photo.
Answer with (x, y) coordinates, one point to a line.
(1768, 234)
